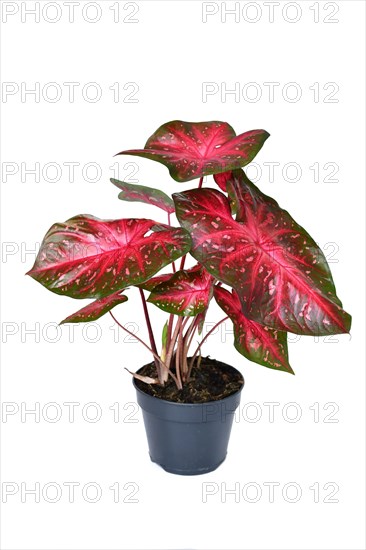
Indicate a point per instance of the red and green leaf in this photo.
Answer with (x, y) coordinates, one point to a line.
(141, 193)
(187, 292)
(95, 310)
(201, 318)
(86, 257)
(194, 149)
(222, 180)
(260, 344)
(278, 271)
(150, 284)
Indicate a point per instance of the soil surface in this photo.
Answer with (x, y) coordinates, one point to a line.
(210, 381)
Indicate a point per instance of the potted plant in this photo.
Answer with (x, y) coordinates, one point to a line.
(262, 268)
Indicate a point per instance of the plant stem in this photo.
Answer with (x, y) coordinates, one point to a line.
(187, 339)
(173, 339)
(183, 261)
(178, 327)
(203, 341)
(151, 336)
(145, 345)
(196, 324)
(167, 344)
(200, 183)
(178, 352)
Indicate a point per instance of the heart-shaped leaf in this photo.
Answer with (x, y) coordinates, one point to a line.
(187, 292)
(93, 311)
(278, 271)
(90, 258)
(258, 343)
(141, 193)
(194, 149)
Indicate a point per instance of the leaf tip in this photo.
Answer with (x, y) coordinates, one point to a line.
(348, 323)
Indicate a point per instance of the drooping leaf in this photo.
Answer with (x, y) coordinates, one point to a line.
(187, 292)
(278, 271)
(201, 317)
(86, 257)
(194, 149)
(146, 379)
(140, 193)
(258, 343)
(95, 310)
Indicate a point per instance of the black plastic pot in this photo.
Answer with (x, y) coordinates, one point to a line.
(188, 439)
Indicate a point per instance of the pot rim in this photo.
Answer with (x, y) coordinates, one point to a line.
(192, 404)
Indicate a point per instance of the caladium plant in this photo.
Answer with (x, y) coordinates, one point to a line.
(261, 267)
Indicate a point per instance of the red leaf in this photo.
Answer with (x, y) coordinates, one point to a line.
(90, 258)
(194, 149)
(93, 311)
(150, 284)
(141, 193)
(279, 272)
(187, 292)
(222, 179)
(256, 342)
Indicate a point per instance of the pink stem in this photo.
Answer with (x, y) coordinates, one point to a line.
(177, 353)
(170, 328)
(151, 334)
(205, 338)
(188, 337)
(173, 339)
(178, 327)
(182, 262)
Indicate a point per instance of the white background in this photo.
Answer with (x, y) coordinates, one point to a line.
(169, 52)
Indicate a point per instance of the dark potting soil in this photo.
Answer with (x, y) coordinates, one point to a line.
(210, 381)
